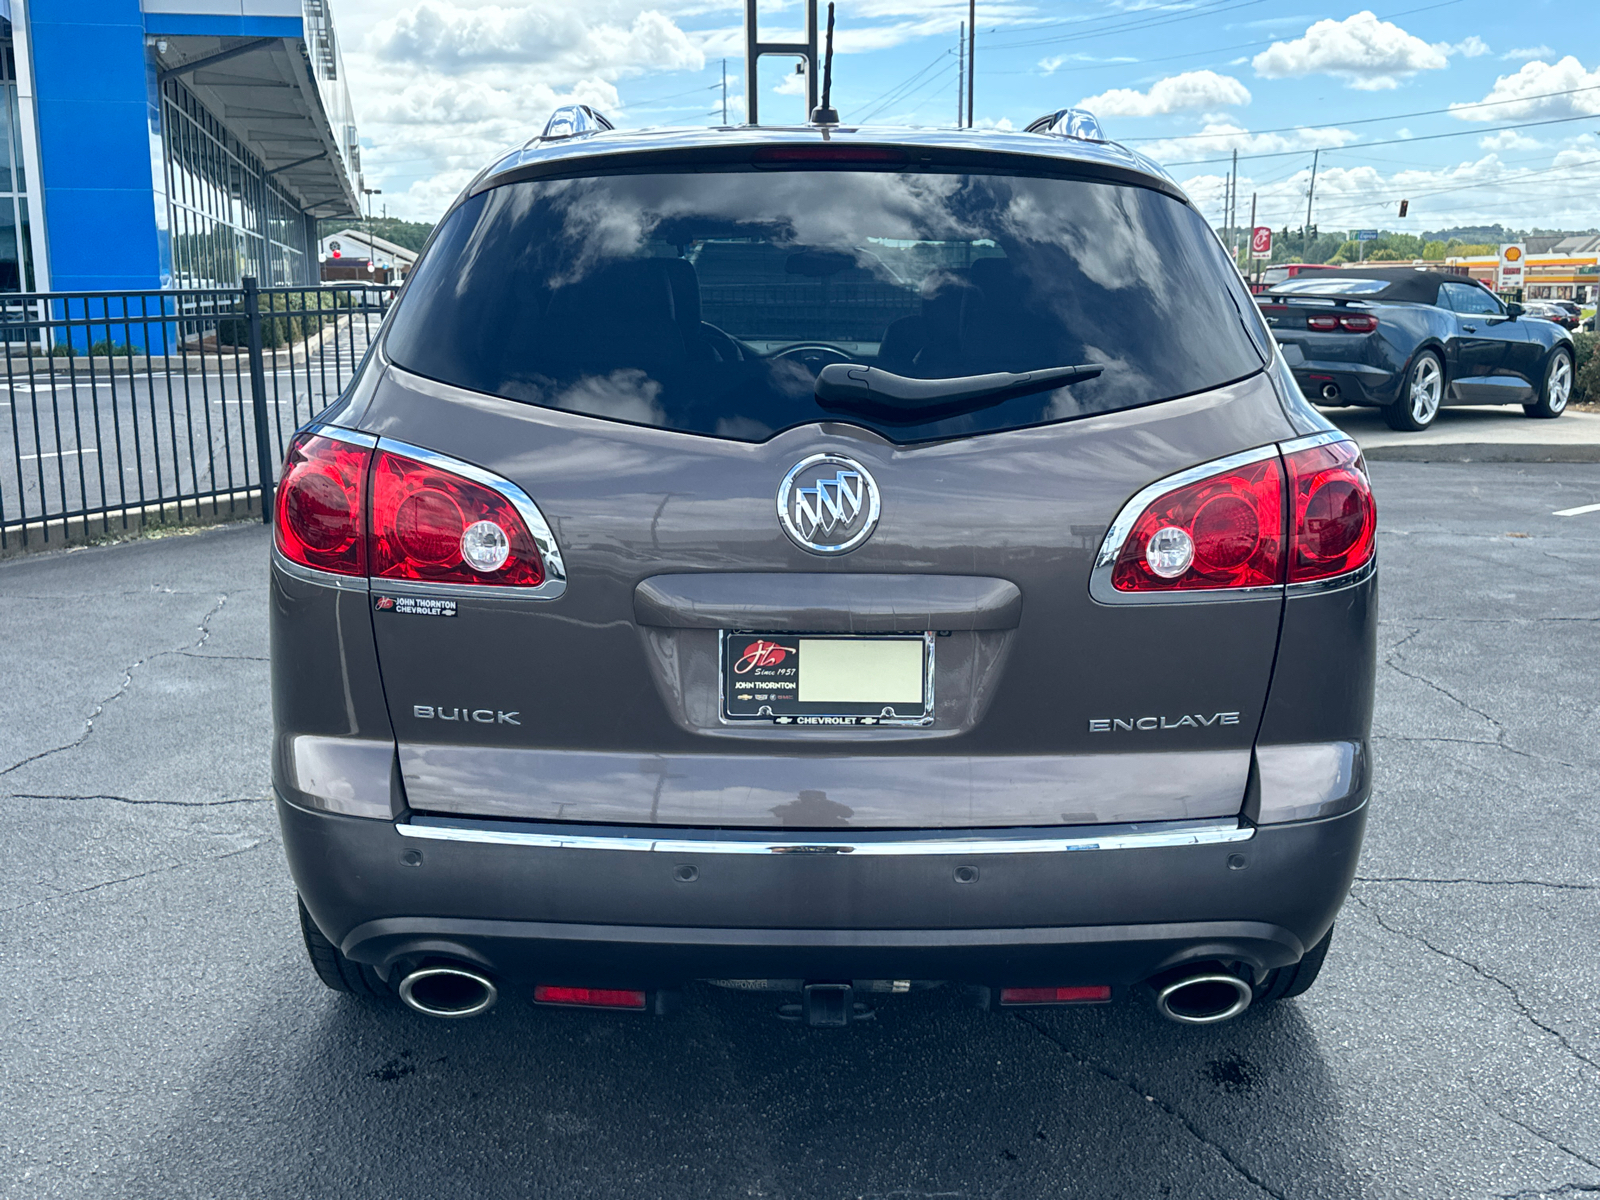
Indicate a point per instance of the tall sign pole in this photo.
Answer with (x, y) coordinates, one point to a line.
(972, 54)
(961, 77)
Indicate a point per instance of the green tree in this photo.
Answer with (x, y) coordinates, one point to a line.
(1434, 251)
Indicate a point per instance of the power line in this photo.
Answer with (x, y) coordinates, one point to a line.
(1211, 9)
(891, 94)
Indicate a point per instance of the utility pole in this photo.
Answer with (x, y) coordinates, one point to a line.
(724, 91)
(1233, 208)
(1310, 193)
(1254, 270)
(961, 76)
(972, 54)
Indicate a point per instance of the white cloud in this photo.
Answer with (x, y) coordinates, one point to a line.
(1192, 89)
(1530, 93)
(1472, 46)
(1366, 53)
(1049, 66)
(544, 36)
(1529, 52)
(1509, 139)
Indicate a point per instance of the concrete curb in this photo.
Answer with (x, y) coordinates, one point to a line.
(1487, 452)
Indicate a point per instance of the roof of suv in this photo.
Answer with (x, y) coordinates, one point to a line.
(577, 154)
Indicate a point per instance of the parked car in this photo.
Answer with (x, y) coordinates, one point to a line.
(1552, 311)
(655, 607)
(1276, 274)
(1408, 340)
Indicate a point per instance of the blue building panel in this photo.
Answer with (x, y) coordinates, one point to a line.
(92, 81)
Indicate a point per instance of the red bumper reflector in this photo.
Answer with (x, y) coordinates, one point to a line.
(1097, 993)
(583, 997)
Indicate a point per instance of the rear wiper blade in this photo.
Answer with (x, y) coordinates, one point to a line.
(898, 400)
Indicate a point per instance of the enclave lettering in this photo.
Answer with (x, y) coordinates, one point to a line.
(1146, 724)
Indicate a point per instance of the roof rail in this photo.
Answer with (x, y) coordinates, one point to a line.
(574, 120)
(1077, 123)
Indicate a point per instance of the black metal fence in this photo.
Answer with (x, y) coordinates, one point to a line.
(127, 408)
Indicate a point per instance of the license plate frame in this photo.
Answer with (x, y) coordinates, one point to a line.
(748, 696)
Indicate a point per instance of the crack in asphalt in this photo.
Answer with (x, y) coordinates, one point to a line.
(1105, 1072)
(131, 800)
(1517, 1001)
(1544, 883)
(95, 887)
(127, 682)
(1500, 730)
(1566, 1189)
(1538, 1133)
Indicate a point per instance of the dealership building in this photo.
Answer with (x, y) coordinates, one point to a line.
(170, 143)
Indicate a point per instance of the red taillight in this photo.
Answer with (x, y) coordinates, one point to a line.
(1335, 520)
(1359, 324)
(318, 518)
(434, 526)
(1320, 322)
(583, 997)
(1097, 993)
(1222, 532)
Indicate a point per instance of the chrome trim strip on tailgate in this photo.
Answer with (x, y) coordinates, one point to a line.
(1200, 833)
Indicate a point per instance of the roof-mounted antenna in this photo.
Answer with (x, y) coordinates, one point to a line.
(824, 114)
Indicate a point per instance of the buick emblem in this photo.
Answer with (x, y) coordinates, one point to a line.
(828, 503)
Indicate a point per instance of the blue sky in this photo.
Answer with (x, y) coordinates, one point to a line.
(441, 85)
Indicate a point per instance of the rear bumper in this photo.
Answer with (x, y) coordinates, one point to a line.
(661, 917)
(1357, 383)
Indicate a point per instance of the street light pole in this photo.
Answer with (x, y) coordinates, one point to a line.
(972, 55)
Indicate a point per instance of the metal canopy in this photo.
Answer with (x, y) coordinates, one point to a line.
(264, 91)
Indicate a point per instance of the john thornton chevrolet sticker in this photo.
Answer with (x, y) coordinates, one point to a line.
(415, 606)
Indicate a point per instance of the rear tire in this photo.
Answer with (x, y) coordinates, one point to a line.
(1421, 393)
(1557, 389)
(1285, 983)
(332, 967)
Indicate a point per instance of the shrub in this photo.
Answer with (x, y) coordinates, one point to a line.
(308, 312)
(1586, 382)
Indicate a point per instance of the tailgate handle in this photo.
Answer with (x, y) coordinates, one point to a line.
(813, 602)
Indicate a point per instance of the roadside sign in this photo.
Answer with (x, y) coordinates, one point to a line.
(1512, 256)
(1366, 235)
(1261, 242)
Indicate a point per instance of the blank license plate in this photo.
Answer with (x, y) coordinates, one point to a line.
(814, 679)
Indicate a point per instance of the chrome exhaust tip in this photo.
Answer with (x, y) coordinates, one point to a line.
(1330, 391)
(1204, 999)
(448, 992)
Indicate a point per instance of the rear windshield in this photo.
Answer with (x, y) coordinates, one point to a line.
(1319, 285)
(708, 303)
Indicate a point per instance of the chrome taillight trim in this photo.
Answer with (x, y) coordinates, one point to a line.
(345, 583)
(352, 436)
(1100, 586)
(1198, 833)
(555, 570)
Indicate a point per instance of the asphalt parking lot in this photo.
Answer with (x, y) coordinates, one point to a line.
(165, 1036)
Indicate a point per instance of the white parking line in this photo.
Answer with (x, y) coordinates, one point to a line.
(59, 453)
(1576, 512)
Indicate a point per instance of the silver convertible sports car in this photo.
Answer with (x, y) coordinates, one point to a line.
(1409, 340)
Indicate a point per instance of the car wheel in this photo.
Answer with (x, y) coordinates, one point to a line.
(332, 967)
(1284, 983)
(1420, 395)
(1557, 388)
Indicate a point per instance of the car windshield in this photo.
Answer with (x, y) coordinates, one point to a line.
(710, 302)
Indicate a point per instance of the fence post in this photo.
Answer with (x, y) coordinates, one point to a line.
(258, 396)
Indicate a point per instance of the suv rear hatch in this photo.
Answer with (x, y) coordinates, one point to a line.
(638, 353)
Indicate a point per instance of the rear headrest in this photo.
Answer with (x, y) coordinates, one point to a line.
(633, 291)
(685, 283)
(997, 279)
